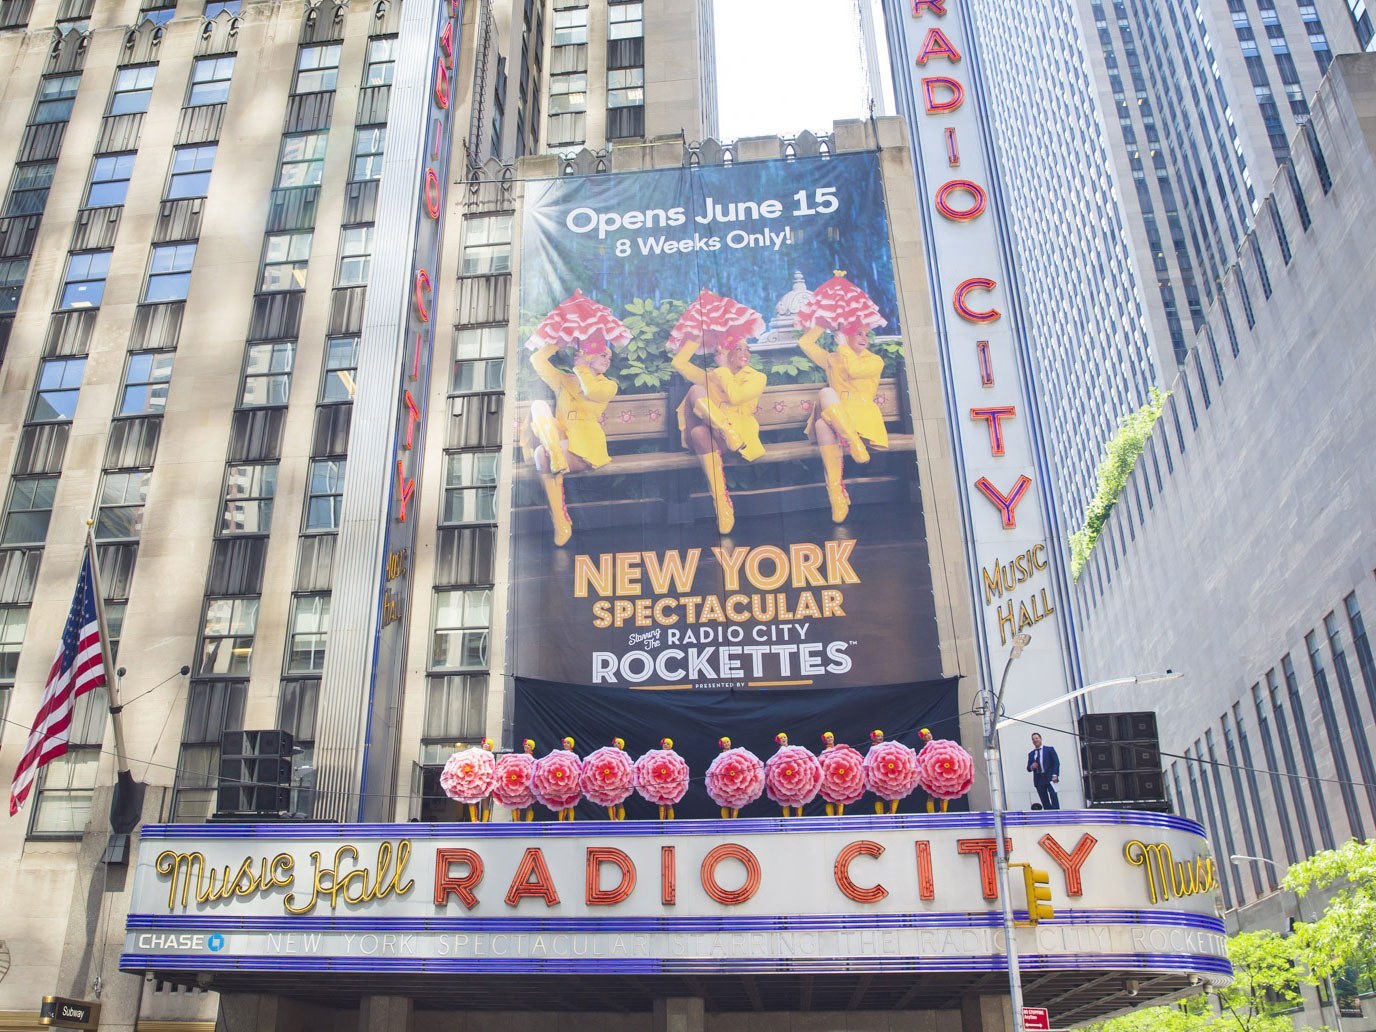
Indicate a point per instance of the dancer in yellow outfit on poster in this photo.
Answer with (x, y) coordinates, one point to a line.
(719, 410)
(846, 406)
(570, 435)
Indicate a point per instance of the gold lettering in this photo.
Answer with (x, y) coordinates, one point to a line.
(1168, 877)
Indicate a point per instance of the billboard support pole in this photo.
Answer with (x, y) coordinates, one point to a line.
(993, 766)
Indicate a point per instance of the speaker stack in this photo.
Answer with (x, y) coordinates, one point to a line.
(255, 775)
(1120, 755)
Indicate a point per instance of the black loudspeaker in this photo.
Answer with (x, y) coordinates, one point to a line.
(1100, 756)
(1096, 727)
(255, 774)
(1121, 761)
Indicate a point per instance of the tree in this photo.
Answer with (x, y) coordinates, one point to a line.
(1265, 987)
(1341, 937)
(1120, 456)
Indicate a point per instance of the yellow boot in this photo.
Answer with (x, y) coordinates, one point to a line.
(833, 464)
(558, 511)
(716, 483)
(546, 431)
(721, 422)
(839, 420)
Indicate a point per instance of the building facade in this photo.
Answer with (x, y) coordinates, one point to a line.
(1269, 737)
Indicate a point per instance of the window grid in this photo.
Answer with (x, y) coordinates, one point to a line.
(461, 621)
(146, 379)
(325, 496)
(210, 78)
(248, 498)
(267, 374)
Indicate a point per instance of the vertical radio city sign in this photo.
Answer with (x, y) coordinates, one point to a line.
(1006, 511)
(358, 713)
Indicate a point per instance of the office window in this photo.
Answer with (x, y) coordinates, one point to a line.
(214, 8)
(84, 284)
(568, 93)
(317, 68)
(267, 374)
(307, 633)
(191, 171)
(470, 487)
(122, 496)
(249, 491)
(455, 711)
(369, 144)
(303, 159)
(62, 794)
(29, 510)
(109, 180)
(625, 87)
(12, 273)
(159, 12)
(59, 382)
(382, 60)
(133, 89)
(461, 623)
(325, 500)
(355, 256)
(570, 27)
(210, 80)
(285, 256)
(169, 273)
(13, 621)
(487, 245)
(198, 772)
(29, 188)
(227, 636)
(479, 362)
(625, 21)
(56, 95)
(341, 361)
(145, 383)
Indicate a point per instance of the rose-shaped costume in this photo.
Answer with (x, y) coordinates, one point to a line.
(944, 769)
(511, 787)
(558, 781)
(735, 778)
(608, 776)
(581, 396)
(661, 776)
(732, 398)
(854, 375)
(843, 774)
(469, 776)
(891, 770)
(792, 776)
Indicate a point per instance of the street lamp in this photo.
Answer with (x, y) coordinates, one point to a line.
(1240, 858)
(1111, 683)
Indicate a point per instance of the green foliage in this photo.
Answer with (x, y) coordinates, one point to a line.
(797, 368)
(1265, 989)
(1120, 456)
(1339, 942)
(642, 366)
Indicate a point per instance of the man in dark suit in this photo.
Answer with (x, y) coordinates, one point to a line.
(1045, 767)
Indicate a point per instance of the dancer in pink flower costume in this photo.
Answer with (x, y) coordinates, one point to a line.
(890, 772)
(511, 786)
(558, 782)
(792, 776)
(661, 776)
(945, 771)
(468, 778)
(609, 777)
(735, 779)
(843, 775)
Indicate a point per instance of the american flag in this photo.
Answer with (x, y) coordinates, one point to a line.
(78, 668)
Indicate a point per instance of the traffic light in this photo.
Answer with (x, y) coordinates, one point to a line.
(1038, 886)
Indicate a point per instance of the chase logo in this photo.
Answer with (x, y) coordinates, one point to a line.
(216, 942)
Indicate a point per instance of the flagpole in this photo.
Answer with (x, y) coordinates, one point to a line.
(111, 681)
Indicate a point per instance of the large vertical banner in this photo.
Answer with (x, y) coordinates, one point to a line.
(717, 485)
(716, 488)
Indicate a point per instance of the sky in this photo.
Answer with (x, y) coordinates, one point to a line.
(787, 65)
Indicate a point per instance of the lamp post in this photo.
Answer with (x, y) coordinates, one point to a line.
(1239, 858)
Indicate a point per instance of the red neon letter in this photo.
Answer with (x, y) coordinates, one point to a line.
(1070, 862)
(926, 885)
(952, 150)
(962, 305)
(441, 83)
(937, 45)
(986, 369)
(973, 210)
(432, 193)
(668, 876)
(446, 884)
(987, 849)
(413, 417)
(935, 6)
(447, 43)
(994, 416)
(935, 105)
(406, 488)
(532, 878)
(415, 358)
(598, 896)
(842, 871)
(1006, 503)
(423, 286)
(730, 897)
